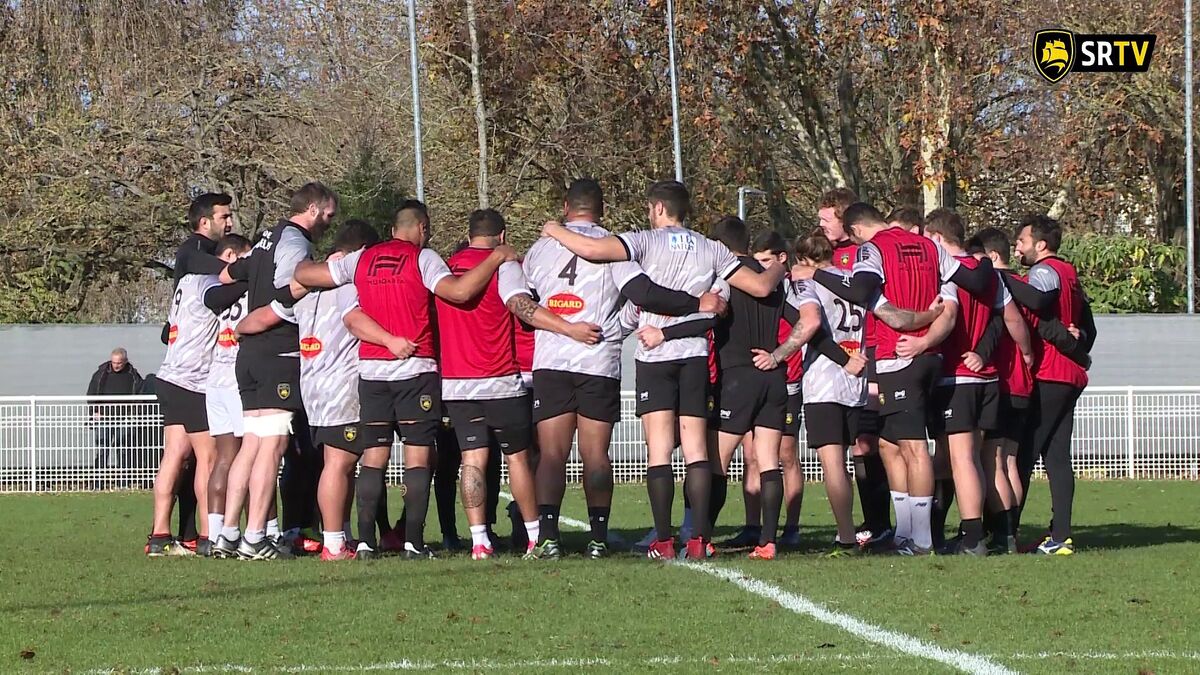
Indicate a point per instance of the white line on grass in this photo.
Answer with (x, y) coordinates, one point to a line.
(971, 663)
(569, 522)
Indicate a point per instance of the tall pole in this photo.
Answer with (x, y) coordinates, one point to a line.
(742, 192)
(414, 75)
(675, 90)
(1190, 210)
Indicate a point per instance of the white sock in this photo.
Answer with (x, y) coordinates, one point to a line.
(919, 508)
(903, 519)
(334, 541)
(348, 532)
(255, 536)
(479, 536)
(231, 533)
(533, 530)
(216, 523)
(272, 527)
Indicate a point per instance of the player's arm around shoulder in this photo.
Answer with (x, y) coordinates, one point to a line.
(596, 249)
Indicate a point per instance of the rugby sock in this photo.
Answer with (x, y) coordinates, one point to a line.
(231, 533)
(255, 536)
(216, 523)
(972, 529)
(185, 489)
(903, 519)
(1013, 520)
(772, 503)
(273, 527)
(382, 518)
(479, 536)
(368, 490)
(716, 499)
(919, 508)
(598, 518)
(943, 498)
(873, 492)
(698, 487)
(532, 532)
(347, 531)
(334, 541)
(548, 518)
(416, 505)
(660, 486)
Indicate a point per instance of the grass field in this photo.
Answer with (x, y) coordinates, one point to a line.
(79, 596)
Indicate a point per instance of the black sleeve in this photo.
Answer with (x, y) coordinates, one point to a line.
(1054, 332)
(1040, 302)
(284, 295)
(1088, 327)
(991, 337)
(860, 290)
(195, 261)
(221, 298)
(693, 328)
(825, 346)
(660, 300)
(239, 269)
(790, 314)
(975, 281)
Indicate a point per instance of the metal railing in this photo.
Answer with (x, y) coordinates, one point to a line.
(71, 443)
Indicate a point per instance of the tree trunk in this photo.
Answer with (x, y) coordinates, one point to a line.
(480, 109)
(935, 131)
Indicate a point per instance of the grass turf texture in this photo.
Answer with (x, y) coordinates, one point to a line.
(78, 594)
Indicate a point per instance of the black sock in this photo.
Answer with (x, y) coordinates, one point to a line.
(381, 510)
(772, 503)
(660, 486)
(416, 505)
(186, 491)
(368, 490)
(698, 487)
(445, 484)
(598, 518)
(873, 494)
(548, 521)
(943, 497)
(716, 499)
(495, 462)
(972, 530)
(1013, 519)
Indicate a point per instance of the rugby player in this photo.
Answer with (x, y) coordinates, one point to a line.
(672, 383)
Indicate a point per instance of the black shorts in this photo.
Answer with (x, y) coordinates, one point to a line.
(904, 398)
(182, 407)
(795, 413)
(752, 398)
(1014, 414)
(679, 386)
(868, 423)
(961, 408)
(507, 418)
(267, 381)
(831, 424)
(412, 407)
(872, 376)
(556, 392)
(348, 437)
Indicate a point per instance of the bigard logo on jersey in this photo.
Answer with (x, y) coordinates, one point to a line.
(564, 304)
(173, 334)
(227, 339)
(1057, 52)
(310, 347)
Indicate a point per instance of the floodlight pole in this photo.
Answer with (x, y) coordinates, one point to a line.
(742, 192)
(414, 76)
(674, 90)
(1189, 203)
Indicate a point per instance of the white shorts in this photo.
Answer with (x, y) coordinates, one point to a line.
(224, 412)
(527, 380)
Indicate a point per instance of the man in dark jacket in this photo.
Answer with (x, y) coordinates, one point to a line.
(115, 377)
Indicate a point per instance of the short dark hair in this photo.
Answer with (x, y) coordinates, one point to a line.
(770, 241)
(585, 194)
(309, 194)
(861, 213)
(974, 246)
(994, 240)
(732, 231)
(411, 212)
(814, 246)
(203, 206)
(838, 199)
(909, 216)
(948, 224)
(355, 234)
(232, 242)
(673, 196)
(485, 223)
(1043, 228)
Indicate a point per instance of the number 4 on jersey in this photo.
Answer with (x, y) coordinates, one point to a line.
(570, 271)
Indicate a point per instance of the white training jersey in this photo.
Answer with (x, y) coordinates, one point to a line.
(225, 350)
(193, 331)
(328, 357)
(681, 260)
(578, 290)
(792, 290)
(825, 381)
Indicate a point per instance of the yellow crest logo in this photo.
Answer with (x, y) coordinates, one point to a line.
(790, 418)
(1054, 53)
(426, 402)
(284, 390)
(350, 433)
(881, 400)
(712, 405)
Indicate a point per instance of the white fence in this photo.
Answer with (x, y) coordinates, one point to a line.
(61, 443)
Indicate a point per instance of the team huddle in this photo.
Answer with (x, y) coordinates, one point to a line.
(876, 333)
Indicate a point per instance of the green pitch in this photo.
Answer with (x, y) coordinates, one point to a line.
(77, 595)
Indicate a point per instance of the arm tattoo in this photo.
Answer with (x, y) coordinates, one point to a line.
(523, 307)
(902, 320)
(791, 345)
(474, 487)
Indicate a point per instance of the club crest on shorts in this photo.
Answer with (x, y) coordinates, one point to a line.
(350, 433)
(426, 402)
(790, 418)
(882, 398)
(711, 404)
(284, 390)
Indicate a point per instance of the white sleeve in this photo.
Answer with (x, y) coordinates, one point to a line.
(1044, 278)
(624, 272)
(725, 263)
(793, 291)
(286, 313)
(433, 268)
(1003, 297)
(721, 288)
(342, 270)
(808, 296)
(869, 259)
(947, 264)
(949, 292)
(347, 299)
(510, 281)
(292, 248)
(636, 243)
